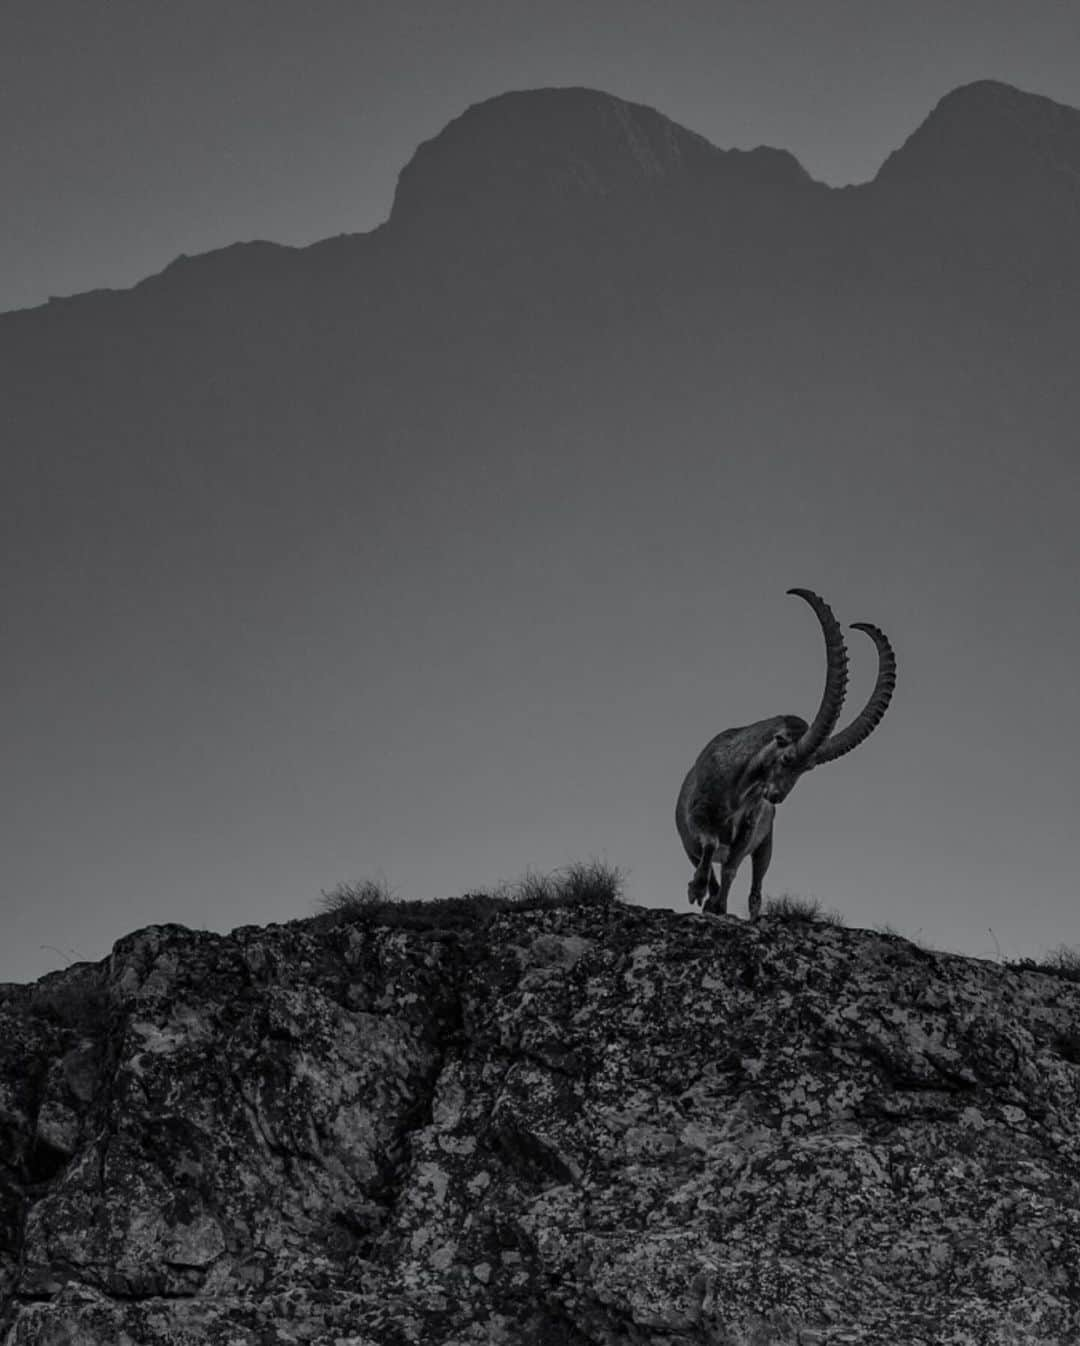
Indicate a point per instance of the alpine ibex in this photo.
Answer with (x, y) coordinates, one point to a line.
(728, 799)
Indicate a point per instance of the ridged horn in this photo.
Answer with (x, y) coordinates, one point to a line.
(835, 680)
(868, 719)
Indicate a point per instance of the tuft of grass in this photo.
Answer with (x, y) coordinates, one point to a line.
(367, 904)
(356, 901)
(588, 884)
(789, 907)
(373, 903)
(1064, 962)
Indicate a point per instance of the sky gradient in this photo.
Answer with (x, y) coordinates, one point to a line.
(472, 659)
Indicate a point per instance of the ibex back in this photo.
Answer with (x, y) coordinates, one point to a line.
(729, 797)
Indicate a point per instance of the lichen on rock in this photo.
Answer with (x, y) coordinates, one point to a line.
(601, 1124)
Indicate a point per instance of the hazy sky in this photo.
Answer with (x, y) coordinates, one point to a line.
(135, 130)
(512, 665)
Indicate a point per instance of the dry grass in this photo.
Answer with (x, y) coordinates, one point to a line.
(373, 903)
(1064, 962)
(789, 907)
(589, 884)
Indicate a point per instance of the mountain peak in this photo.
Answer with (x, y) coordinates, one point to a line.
(522, 148)
(992, 132)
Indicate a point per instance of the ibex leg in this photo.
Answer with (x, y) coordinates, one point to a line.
(760, 862)
(703, 876)
(717, 903)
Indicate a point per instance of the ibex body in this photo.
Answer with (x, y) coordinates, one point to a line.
(728, 800)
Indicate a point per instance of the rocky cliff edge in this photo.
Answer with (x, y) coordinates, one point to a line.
(601, 1124)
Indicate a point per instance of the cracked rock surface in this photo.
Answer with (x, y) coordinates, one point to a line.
(593, 1125)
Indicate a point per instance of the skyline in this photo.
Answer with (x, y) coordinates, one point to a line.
(141, 135)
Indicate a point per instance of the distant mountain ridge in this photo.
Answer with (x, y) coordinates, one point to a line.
(992, 131)
(539, 214)
(560, 225)
(569, 144)
(524, 153)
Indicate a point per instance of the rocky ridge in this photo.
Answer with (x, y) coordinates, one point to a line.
(599, 1124)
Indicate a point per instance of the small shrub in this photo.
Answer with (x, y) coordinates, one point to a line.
(356, 901)
(1064, 962)
(591, 884)
(788, 907)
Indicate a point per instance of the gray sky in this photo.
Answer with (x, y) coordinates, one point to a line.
(135, 130)
(219, 758)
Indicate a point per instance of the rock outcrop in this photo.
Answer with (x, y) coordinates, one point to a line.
(600, 1124)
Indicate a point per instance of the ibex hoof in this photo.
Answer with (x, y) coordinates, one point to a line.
(695, 891)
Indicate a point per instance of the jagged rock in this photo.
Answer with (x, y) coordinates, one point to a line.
(581, 1125)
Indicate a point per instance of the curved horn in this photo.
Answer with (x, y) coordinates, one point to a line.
(869, 717)
(835, 681)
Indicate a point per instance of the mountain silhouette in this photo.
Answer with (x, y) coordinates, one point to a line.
(520, 151)
(539, 229)
(993, 132)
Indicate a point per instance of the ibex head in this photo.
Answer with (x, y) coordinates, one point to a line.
(728, 799)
